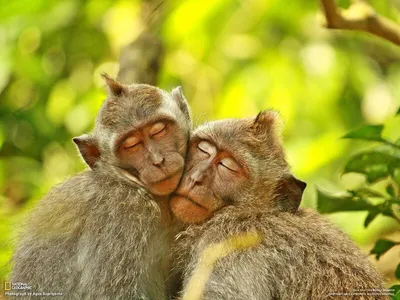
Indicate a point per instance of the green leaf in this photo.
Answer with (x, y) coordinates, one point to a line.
(396, 175)
(396, 291)
(368, 193)
(390, 190)
(398, 112)
(375, 165)
(329, 204)
(382, 246)
(367, 132)
(386, 209)
(370, 217)
(397, 272)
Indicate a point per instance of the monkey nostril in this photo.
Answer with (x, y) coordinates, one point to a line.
(158, 162)
(196, 178)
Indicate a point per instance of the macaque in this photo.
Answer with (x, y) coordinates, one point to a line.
(246, 237)
(102, 234)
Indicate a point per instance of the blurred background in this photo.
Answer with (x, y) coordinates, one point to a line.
(232, 58)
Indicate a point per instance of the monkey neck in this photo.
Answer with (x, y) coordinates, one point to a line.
(166, 215)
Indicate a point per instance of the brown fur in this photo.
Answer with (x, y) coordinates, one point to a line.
(144, 102)
(301, 256)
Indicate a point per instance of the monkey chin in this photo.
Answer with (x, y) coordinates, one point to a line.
(188, 211)
(166, 186)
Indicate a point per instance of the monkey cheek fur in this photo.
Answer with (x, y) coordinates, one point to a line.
(188, 211)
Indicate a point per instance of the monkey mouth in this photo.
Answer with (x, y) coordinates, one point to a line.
(166, 185)
(190, 200)
(187, 210)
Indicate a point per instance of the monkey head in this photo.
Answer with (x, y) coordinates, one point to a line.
(141, 135)
(237, 162)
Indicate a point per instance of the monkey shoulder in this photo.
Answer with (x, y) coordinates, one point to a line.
(306, 226)
(294, 244)
(92, 187)
(75, 189)
(66, 207)
(61, 207)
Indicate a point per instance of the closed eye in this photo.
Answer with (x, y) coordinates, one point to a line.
(158, 129)
(159, 132)
(230, 164)
(131, 142)
(206, 147)
(205, 152)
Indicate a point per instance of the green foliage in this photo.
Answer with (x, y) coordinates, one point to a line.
(375, 165)
(372, 214)
(397, 273)
(331, 204)
(382, 246)
(380, 163)
(396, 290)
(368, 133)
(232, 58)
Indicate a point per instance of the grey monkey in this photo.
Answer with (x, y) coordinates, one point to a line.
(103, 234)
(246, 237)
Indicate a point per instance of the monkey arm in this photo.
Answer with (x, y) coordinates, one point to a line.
(301, 256)
(195, 287)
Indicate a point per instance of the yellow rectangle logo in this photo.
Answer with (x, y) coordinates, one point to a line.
(7, 286)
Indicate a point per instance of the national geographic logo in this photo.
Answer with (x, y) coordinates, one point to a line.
(10, 286)
(21, 289)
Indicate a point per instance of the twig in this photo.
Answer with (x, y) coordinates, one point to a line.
(362, 17)
(141, 59)
(391, 144)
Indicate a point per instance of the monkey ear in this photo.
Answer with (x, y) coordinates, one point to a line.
(290, 192)
(267, 121)
(116, 88)
(177, 95)
(88, 149)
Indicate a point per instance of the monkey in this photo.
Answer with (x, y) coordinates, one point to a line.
(103, 234)
(246, 237)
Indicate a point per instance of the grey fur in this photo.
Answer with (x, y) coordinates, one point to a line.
(301, 256)
(98, 235)
(102, 242)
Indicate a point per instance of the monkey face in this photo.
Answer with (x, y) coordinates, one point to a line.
(154, 154)
(238, 162)
(211, 178)
(141, 135)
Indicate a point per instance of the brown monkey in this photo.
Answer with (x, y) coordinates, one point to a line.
(99, 234)
(247, 238)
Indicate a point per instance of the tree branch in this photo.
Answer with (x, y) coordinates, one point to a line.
(140, 60)
(362, 17)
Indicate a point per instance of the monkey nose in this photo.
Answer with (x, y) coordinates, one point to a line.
(158, 160)
(196, 177)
